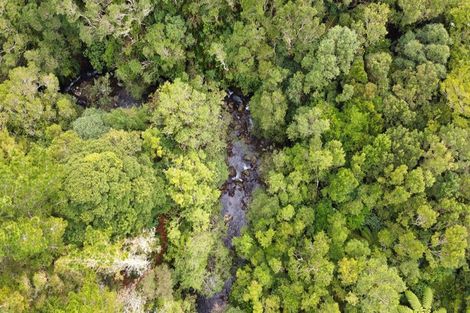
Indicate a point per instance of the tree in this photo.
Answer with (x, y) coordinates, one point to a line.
(360, 124)
(191, 265)
(90, 124)
(91, 297)
(166, 44)
(299, 23)
(349, 270)
(161, 52)
(414, 11)
(438, 158)
(36, 32)
(361, 185)
(409, 246)
(11, 301)
(96, 93)
(397, 112)
(190, 116)
(372, 20)
(426, 216)
(421, 65)
(333, 57)
(192, 183)
(31, 102)
(32, 242)
(128, 119)
(379, 287)
(418, 86)
(456, 89)
(110, 259)
(106, 183)
(30, 184)
(268, 108)
(97, 20)
(454, 244)
(342, 184)
(300, 169)
(246, 47)
(308, 123)
(378, 66)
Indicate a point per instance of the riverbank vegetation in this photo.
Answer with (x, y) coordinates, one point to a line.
(110, 183)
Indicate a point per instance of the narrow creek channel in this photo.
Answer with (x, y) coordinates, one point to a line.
(243, 160)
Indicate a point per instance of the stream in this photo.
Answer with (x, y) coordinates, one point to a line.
(80, 89)
(243, 161)
(243, 158)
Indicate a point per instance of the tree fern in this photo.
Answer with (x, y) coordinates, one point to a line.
(418, 306)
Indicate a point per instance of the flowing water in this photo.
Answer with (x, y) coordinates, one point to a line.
(243, 161)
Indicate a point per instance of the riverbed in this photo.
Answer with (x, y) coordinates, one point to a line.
(243, 160)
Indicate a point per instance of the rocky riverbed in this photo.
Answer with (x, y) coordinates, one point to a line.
(243, 158)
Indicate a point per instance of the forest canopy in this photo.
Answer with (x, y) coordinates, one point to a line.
(235, 156)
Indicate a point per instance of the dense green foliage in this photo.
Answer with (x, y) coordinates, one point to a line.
(364, 204)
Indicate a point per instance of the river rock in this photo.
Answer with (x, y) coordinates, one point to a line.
(236, 99)
(232, 172)
(227, 218)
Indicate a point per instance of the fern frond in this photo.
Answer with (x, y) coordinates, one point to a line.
(427, 299)
(404, 309)
(413, 300)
